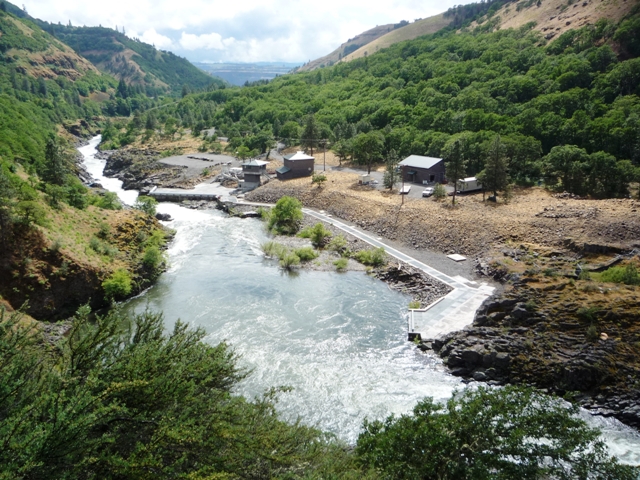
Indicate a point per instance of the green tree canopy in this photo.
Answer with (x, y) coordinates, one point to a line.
(509, 433)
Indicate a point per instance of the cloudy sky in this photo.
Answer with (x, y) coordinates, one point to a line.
(241, 30)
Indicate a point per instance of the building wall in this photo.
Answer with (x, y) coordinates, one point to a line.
(253, 168)
(299, 168)
(434, 174)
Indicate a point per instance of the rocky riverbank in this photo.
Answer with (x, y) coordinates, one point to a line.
(556, 334)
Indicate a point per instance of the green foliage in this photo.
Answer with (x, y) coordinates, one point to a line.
(118, 394)
(368, 149)
(289, 260)
(102, 248)
(30, 212)
(627, 274)
(414, 304)
(319, 179)
(439, 192)
(118, 285)
(285, 216)
(306, 254)
(341, 264)
(455, 165)
(318, 235)
(152, 258)
(374, 257)
(505, 433)
(495, 175)
(108, 201)
(339, 245)
(146, 204)
(273, 249)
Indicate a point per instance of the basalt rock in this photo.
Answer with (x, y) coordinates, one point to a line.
(528, 336)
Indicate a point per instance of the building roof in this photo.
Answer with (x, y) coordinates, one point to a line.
(417, 161)
(255, 163)
(283, 170)
(299, 156)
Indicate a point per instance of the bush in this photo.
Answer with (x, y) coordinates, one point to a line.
(439, 192)
(306, 253)
(118, 285)
(317, 234)
(286, 216)
(374, 257)
(627, 274)
(289, 260)
(319, 178)
(152, 257)
(413, 305)
(146, 205)
(273, 249)
(341, 264)
(339, 244)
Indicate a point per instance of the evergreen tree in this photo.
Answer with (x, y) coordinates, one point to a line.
(55, 168)
(455, 165)
(310, 133)
(495, 176)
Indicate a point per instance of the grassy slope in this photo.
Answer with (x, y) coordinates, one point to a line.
(359, 40)
(554, 17)
(408, 32)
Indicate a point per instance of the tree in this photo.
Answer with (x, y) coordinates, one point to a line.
(506, 433)
(123, 90)
(310, 133)
(290, 133)
(120, 396)
(7, 200)
(319, 178)
(367, 148)
(342, 149)
(286, 216)
(455, 165)
(495, 176)
(56, 166)
(567, 164)
(391, 171)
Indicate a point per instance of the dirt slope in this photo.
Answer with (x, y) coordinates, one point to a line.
(554, 17)
(408, 32)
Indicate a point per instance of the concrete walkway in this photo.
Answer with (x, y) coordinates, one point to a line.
(451, 313)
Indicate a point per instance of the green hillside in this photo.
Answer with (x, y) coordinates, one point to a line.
(138, 63)
(567, 110)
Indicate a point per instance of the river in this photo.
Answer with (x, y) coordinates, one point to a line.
(338, 339)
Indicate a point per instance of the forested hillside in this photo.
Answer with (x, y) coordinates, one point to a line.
(567, 111)
(137, 63)
(59, 240)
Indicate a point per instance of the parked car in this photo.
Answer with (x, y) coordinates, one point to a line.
(427, 192)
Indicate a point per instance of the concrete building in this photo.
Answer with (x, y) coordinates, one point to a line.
(424, 170)
(295, 166)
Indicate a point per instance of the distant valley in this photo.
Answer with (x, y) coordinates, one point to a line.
(240, 73)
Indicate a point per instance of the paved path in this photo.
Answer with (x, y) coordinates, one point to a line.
(451, 313)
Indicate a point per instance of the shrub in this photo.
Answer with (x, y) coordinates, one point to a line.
(319, 178)
(152, 257)
(341, 264)
(373, 257)
(118, 285)
(306, 253)
(146, 205)
(104, 231)
(339, 245)
(273, 249)
(414, 304)
(439, 192)
(285, 217)
(289, 260)
(317, 234)
(627, 274)
(592, 333)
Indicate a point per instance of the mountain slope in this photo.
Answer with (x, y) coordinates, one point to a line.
(413, 30)
(554, 17)
(138, 63)
(348, 47)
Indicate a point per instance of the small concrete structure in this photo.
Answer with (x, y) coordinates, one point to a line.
(254, 173)
(295, 166)
(425, 170)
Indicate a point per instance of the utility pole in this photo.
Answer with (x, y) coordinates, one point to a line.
(402, 191)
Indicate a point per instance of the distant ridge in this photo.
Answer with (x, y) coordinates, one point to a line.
(348, 47)
(413, 30)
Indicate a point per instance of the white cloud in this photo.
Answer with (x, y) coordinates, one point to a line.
(209, 41)
(154, 38)
(244, 30)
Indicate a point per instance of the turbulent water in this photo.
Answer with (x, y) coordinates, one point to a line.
(338, 339)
